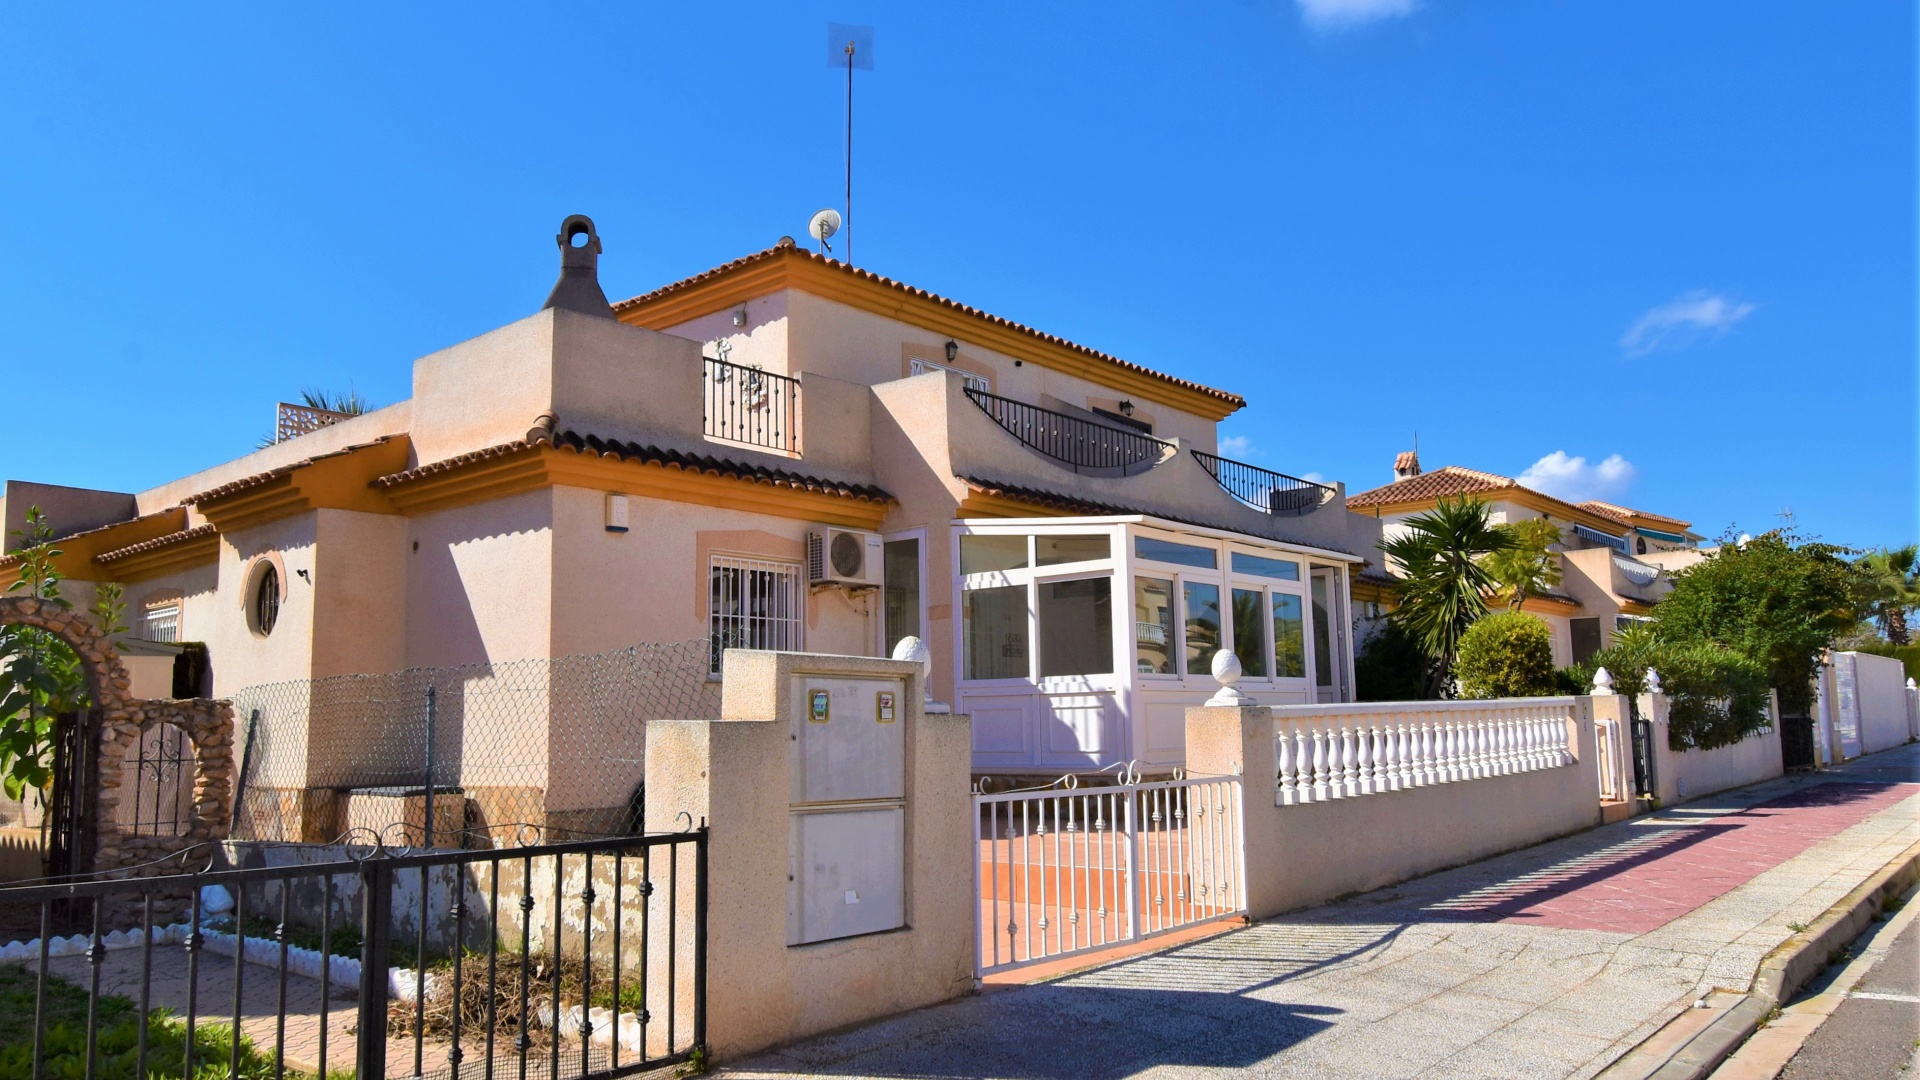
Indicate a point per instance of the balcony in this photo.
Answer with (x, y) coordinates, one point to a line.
(746, 406)
(1263, 489)
(1077, 444)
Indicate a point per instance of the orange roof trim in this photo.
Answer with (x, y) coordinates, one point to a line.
(787, 266)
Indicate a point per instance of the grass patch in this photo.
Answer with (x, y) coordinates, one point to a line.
(117, 1040)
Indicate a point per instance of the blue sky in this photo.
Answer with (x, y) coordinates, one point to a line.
(1660, 253)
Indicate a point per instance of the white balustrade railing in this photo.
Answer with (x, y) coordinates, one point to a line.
(1329, 752)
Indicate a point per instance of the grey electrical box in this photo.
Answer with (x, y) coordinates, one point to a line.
(847, 807)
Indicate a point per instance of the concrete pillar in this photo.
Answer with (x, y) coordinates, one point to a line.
(735, 774)
(1238, 741)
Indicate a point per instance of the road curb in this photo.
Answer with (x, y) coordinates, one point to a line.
(1782, 973)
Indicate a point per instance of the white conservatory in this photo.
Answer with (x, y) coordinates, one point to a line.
(1055, 680)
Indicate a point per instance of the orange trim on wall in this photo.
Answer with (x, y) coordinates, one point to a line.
(798, 270)
(335, 482)
(545, 466)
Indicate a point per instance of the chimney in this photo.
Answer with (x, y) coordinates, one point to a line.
(1406, 465)
(579, 286)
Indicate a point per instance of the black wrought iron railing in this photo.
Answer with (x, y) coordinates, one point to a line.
(1077, 443)
(1263, 489)
(153, 975)
(753, 407)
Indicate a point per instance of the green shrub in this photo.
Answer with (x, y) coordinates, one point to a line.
(1390, 667)
(1509, 654)
(1715, 696)
(1908, 655)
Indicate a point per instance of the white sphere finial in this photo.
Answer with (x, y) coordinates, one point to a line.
(1226, 672)
(914, 651)
(1653, 681)
(1602, 682)
(1911, 686)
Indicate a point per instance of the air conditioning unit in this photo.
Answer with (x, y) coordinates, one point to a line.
(848, 558)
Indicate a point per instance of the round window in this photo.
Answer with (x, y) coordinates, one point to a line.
(266, 600)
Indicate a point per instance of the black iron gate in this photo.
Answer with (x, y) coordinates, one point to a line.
(71, 820)
(1796, 743)
(1642, 730)
(582, 959)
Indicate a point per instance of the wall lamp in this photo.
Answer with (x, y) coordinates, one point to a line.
(953, 349)
(1126, 408)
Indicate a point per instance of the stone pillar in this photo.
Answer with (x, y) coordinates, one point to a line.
(735, 775)
(1238, 741)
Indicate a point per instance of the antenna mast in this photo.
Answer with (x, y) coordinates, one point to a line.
(853, 47)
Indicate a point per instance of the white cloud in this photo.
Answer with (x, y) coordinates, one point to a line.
(1573, 479)
(1313, 478)
(1235, 446)
(1683, 321)
(1341, 14)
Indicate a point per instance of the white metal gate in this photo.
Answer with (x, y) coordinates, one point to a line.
(1065, 869)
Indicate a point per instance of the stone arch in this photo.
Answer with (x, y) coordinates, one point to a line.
(208, 725)
(107, 681)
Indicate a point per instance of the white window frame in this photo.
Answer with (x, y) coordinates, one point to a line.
(918, 365)
(880, 618)
(781, 630)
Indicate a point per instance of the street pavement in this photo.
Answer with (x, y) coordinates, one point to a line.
(1548, 962)
(1875, 1031)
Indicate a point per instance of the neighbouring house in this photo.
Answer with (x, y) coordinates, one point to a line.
(783, 452)
(1615, 560)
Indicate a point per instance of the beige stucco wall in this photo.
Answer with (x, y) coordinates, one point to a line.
(392, 420)
(1685, 775)
(1306, 854)
(831, 338)
(733, 774)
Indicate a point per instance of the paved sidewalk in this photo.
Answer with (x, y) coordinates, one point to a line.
(1549, 962)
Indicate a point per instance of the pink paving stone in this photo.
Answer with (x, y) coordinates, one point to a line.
(1685, 866)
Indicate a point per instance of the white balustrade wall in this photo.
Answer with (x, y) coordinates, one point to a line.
(1328, 752)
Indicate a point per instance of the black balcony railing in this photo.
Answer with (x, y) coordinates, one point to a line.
(753, 407)
(1263, 489)
(1079, 444)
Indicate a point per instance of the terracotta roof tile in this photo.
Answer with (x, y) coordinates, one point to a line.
(1627, 514)
(544, 433)
(260, 479)
(781, 250)
(1446, 482)
(167, 541)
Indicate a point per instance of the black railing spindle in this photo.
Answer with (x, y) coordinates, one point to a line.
(1263, 489)
(751, 406)
(1080, 444)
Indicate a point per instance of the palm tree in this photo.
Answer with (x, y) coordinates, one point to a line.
(1893, 588)
(1530, 567)
(1444, 583)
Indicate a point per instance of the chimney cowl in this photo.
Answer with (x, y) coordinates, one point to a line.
(1406, 465)
(579, 286)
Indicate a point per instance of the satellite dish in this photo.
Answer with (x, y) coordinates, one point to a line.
(823, 225)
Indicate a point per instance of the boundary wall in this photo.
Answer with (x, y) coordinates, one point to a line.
(1301, 855)
(1684, 775)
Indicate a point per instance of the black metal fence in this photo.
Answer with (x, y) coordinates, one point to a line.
(1077, 443)
(752, 406)
(582, 959)
(1263, 489)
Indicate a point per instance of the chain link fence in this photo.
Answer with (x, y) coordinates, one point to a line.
(477, 755)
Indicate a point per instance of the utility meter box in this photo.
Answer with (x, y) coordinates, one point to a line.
(847, 807)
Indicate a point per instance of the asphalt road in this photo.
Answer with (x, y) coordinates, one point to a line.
(1875, 1033)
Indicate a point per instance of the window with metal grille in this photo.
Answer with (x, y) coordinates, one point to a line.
(754, 604)
(161, 622)
(266, 601)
